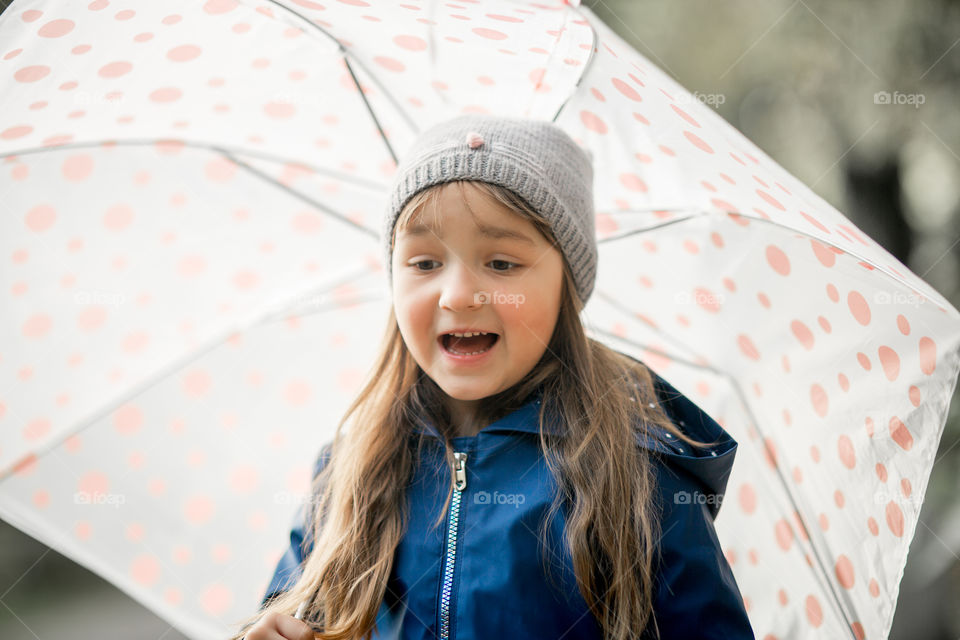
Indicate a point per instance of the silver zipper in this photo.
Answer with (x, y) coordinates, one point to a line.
(460, 475)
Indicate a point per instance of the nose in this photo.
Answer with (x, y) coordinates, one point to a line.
(459, 287)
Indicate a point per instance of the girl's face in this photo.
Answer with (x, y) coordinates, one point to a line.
(497, 274)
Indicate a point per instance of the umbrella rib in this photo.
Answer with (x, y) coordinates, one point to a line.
(360, 182)
(587, 64)
(839, 600)
(251, 321)
(300, 196)
(346, 59)
(937, 297)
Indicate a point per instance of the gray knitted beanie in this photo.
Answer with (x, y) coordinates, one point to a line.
(535, 159)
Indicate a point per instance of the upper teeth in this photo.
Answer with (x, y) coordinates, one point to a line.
(468, 334)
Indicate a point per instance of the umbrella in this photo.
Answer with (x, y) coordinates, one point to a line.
(193, 291)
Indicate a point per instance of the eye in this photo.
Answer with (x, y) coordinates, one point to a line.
(512, 264)
(417, 264)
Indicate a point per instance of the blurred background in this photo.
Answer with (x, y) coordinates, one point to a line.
(855, 98)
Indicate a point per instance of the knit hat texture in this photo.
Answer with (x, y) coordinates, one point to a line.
(535, 159)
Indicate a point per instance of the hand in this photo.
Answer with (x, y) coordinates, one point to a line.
(277, 626)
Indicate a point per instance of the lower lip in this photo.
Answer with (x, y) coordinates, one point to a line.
(467, 359)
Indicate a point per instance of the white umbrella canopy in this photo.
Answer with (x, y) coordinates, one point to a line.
(193, 289)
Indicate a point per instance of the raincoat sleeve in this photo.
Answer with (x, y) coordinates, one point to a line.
(695, 594)
(290, 566)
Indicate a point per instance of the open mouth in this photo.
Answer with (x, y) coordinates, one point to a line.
(468, 346)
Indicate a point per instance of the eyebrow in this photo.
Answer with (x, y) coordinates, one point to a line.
(497, 233)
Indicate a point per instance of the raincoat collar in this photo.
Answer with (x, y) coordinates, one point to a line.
(710, 465)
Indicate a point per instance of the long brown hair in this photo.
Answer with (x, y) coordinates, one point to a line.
(357, 512)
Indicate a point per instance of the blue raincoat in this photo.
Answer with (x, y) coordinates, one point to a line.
(480, 575)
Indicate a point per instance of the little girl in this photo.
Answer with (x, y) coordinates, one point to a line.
(506, 476)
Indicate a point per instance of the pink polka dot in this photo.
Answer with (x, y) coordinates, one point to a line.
(297, 393)
(903, 324)
(895, 519)
(127, 419)
(135, 531)
(844, 571)
(390, 64)
(491, 34)
(171, 19)
(126, 14)
(146, 36)
(36, 430)
(197, 383)
(97, 5)
(40, 218)
(220, 170)
(697, 141)
(846, 452)
(32, 73)
(784, 534)
(686, 116)
(245, 279)
(91, 318)
(191, 266)
(184, 53)
(881, 472)
(93, 483)
(244, 479)
(31, 15)
(12, 133)
(748, 498)
(165, 94)
(56, 28)
(928, 355)
(77, 168)
(778, 260)
(198, 509)
(115, 69)
(900, 434)
(626, 90)
(824, 255)
(872, 525)
(36, 326)
(593, 122)
(858, 307)
(82, 530)
(802, 333)
(410, 43)
(905, 487)
(874, 588)
(890, 361)
(633, 182)
(838, 498)
(145, 569)
(814, 612)
(747, 347)
(217, 598)
(118, 217)
(219, 7)
(769, 199)
(819, 400)
(279, 109)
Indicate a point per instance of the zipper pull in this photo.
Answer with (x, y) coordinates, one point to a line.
(460, 470)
